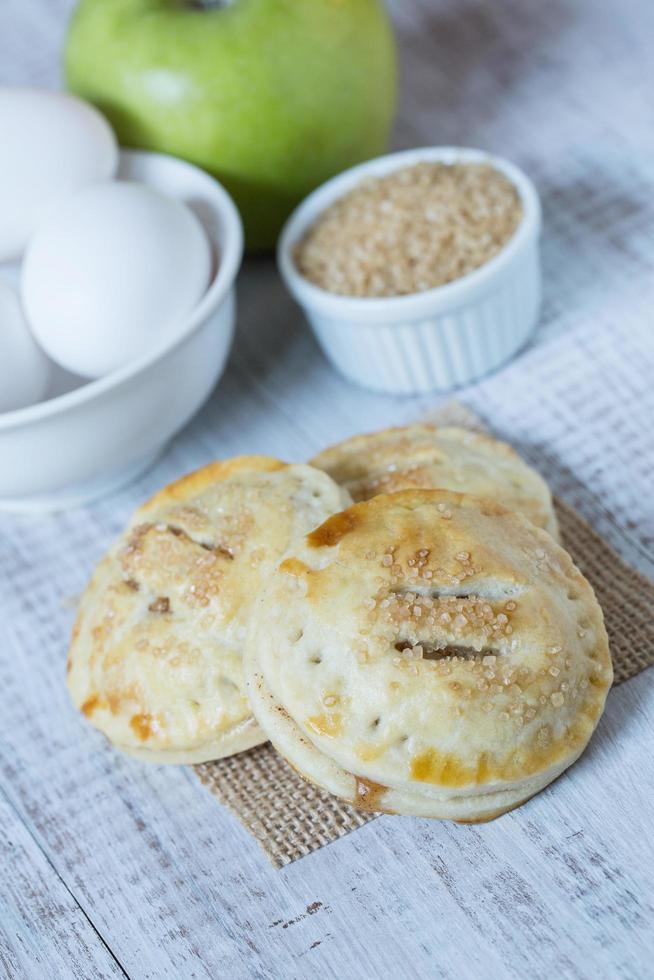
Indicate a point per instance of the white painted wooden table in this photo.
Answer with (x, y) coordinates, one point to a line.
(110, 868)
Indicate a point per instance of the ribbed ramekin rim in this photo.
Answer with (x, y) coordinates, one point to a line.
(437, 301)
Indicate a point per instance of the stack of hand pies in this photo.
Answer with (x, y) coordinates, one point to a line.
(427, 649)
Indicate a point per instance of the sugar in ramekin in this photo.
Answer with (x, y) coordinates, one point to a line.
(434, 340)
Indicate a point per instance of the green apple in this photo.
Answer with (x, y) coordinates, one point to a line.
(271, 96)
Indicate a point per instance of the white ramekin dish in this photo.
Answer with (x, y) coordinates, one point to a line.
(77, 446)
(438, 339)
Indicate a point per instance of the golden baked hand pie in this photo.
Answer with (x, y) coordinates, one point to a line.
(155, 660)
(424, 456)
(429, 653)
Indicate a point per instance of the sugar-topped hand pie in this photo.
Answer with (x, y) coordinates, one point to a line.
(155, 660)
(424, 456)
(429, 653)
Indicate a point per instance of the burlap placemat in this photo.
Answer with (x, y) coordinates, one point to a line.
(290, 818)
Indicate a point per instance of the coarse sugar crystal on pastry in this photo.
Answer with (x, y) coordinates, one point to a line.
(156, 655)
(429, 653)
(439, 457)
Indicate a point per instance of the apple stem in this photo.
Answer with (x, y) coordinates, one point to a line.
(210, 4)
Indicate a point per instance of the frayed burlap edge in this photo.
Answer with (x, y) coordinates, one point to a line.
(291, 818)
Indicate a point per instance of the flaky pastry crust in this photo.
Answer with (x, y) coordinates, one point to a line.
(429, 653)
(425, 456)
(156, 654)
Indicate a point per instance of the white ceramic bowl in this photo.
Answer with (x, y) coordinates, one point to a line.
(434, 340)
(81, 444)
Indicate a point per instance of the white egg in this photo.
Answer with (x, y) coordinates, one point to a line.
(111, 273)
(24, 368)
(50, 144)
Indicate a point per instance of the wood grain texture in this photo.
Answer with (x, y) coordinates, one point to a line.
(43, 930)
(144, 872)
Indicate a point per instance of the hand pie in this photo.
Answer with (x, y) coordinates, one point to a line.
(155, 659)
(429, 457)
(429, 653)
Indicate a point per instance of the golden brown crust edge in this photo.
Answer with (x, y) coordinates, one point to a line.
(442, 784)
(164, 598)
(426, 456)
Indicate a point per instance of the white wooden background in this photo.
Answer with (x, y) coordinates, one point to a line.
(110, 868)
